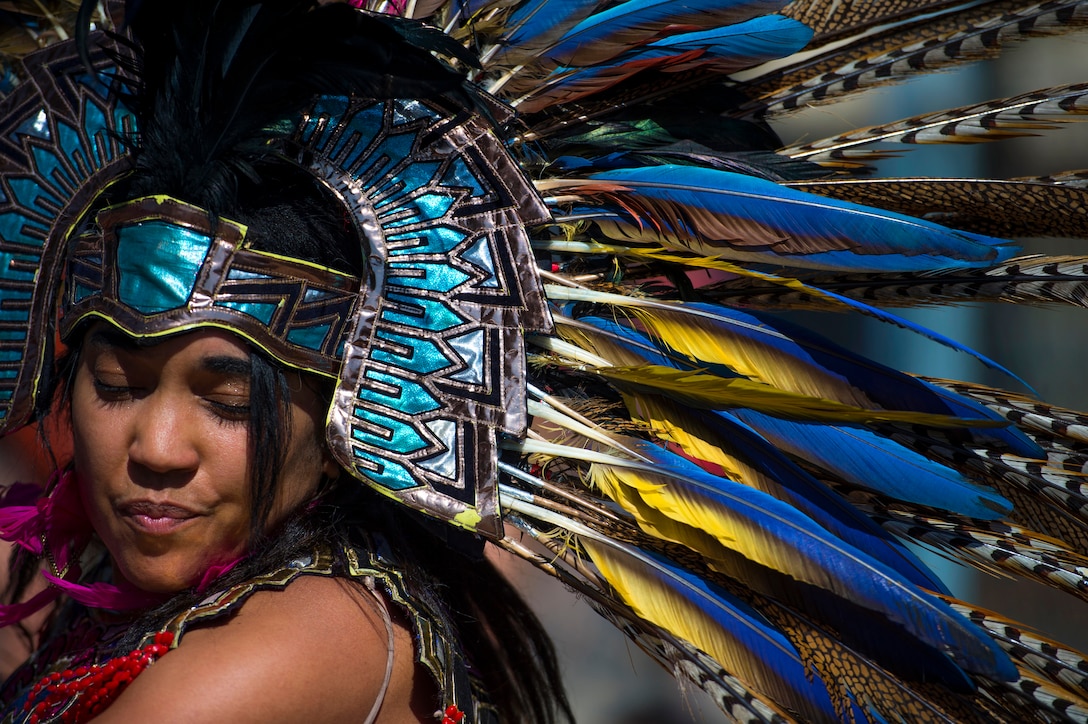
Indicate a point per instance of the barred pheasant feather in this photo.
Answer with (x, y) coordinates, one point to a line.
(735, 492)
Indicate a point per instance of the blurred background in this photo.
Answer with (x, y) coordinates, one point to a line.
(609, 680)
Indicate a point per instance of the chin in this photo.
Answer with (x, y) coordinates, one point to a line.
(168, 564)
(154, 579)
(160, 574)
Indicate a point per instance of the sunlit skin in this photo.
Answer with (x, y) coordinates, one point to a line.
(161, 447)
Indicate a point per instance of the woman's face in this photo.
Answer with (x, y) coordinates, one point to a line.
(161, 448)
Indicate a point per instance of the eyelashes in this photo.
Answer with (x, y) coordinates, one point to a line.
(229, 414)
(112, 395)
(224, 413)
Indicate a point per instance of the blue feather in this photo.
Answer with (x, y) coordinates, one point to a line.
(825, 507)
(1018, 443)
(538, 23)
(855, 575)
(866, 459)
(741, 45)
(799, 488)
(890, 319)
(605, 35)
(887, 387)
(762, 644)
(622, 224)
(877, 313)
(728, 49)
(738, 217)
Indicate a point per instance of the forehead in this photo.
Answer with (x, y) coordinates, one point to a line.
(198, 344)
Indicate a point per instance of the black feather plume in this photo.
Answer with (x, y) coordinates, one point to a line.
(214, 77)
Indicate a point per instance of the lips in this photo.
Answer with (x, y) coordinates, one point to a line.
(156, 518)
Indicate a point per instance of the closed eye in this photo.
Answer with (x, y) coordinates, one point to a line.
(111, 391)
(229, 413)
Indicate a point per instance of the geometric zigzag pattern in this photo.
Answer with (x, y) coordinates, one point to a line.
(434, 366)
(58, 145)
(128, 271)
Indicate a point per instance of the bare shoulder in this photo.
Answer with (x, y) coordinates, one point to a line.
(314, 651)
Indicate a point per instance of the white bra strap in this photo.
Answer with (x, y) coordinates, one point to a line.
(374, 710)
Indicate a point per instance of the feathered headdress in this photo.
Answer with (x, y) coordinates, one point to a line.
(732, 490)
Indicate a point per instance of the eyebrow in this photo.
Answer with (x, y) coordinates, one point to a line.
(109, 337)
(227, 365)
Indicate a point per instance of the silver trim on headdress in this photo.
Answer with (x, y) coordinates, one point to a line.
(433, 364)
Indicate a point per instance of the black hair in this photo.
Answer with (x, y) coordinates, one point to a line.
(503, 640)
(505, 643)
(269, 434)
(210, 86)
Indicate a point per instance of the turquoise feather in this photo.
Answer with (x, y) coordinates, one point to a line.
(742, 218)
(731, 48)
(605, 35)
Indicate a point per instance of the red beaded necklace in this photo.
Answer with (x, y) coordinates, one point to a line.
(78, 695)
(452, 715)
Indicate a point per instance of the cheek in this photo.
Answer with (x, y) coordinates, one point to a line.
(302, 468)
(98, 438)
(301, 475)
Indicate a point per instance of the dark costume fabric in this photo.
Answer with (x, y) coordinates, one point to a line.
(81, 668)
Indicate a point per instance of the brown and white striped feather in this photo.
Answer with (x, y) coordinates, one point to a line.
(1073, 481)
(997, 547)
(967, 35)
(1077, 179)
(774, 84)
(1046, 701)
(831, 19)
(1025, 411)
(1038, 503)
(1063, 459)
(1029, 279)
(1050, 659)
(1020, 115)
(997, 207)
(1040, 558)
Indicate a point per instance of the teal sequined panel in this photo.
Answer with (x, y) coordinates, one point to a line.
(158, 263)
(57, 150)
(435, 369)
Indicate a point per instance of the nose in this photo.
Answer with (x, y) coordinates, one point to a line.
(162, 439)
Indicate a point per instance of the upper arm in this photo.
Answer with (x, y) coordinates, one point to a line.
(315, 651)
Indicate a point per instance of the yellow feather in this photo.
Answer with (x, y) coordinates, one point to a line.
(733, 529)
(596, 342)
(687, 258)
(652, 601)
(659, 525)
(670, 422)
(717, 557)
(706, 341)
(708, 391)
(662, 606)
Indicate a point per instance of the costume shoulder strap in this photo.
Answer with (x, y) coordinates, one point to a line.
(437, 647)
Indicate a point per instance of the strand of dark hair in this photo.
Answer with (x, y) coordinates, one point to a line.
(503, 639)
